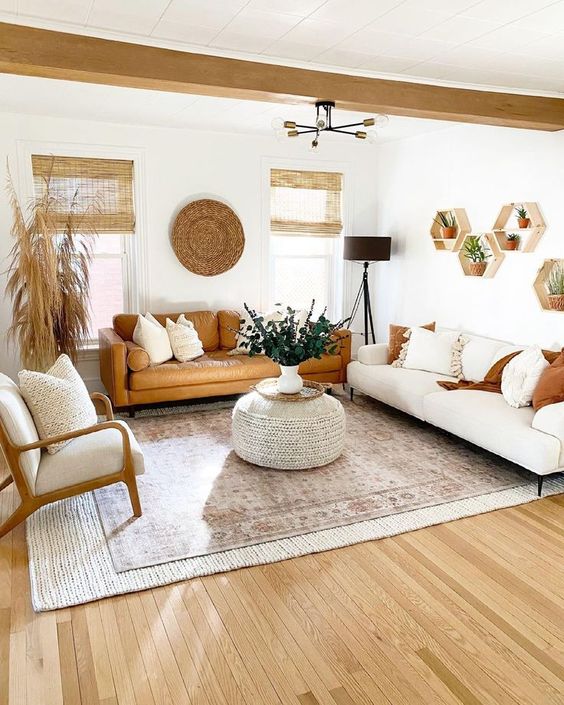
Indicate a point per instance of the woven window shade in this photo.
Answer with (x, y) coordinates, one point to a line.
(100, 191)
(306, 203)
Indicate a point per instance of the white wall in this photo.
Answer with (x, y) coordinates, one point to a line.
(478, 168)
(181, 165)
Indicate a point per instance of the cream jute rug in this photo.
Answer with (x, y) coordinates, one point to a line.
(207, 511)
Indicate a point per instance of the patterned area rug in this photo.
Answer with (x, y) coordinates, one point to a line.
(206, 511)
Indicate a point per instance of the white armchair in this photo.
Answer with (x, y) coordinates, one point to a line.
(98, 455)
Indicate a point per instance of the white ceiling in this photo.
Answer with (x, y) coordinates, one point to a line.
(513, 44)
(133, 106)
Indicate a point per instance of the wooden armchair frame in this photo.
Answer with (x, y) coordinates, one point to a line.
(30, 502)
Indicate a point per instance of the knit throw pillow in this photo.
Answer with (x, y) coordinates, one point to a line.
(184, 340)
(58, 400)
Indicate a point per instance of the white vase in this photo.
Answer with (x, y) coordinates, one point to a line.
(289, 381)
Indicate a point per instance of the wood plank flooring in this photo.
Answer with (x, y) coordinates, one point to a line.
(470, 613)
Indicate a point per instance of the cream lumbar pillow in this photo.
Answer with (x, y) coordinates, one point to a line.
(521, 376)
(58, 400)
(153, 338)
(184, 340)
(433, 352)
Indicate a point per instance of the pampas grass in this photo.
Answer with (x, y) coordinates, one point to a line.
(49, 277)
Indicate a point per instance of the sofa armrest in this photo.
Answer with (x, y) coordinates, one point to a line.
(550, 419)
(113, 366)
(373, 354)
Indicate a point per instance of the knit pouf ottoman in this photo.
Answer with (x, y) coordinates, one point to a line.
(286, 435)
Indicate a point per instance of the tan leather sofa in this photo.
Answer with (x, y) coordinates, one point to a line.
(131, 382)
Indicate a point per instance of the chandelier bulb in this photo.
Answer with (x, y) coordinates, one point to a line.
(381, 120)
(372, 136)
(277, 123)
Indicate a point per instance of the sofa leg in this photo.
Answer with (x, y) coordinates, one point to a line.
(351, 393)
(131, 412)
(540, 480)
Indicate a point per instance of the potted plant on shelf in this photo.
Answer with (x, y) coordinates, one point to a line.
(447, 223)
(478, 255)
(512, 241)
(522, 216)
(288, 343)
(555, 287)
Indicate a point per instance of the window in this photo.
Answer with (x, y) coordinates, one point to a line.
(100, 192)
(305, 227)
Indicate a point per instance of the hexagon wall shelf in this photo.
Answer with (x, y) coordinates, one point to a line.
(539, 284)
(494, 262)
(462, 229)
(529, 237)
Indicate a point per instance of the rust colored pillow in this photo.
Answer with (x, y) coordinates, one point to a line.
(137, 357)
(550, 389)
(396, 339)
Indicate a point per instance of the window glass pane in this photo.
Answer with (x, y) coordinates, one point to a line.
(298, 280)
(108, 244)
(106, 292)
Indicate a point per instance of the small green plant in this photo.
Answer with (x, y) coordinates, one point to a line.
(446, 219)
(521, 212)
(285, 343)
(474, 250)
(513, 237)
(555, 280)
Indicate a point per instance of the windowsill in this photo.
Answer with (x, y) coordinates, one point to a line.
(89, 352)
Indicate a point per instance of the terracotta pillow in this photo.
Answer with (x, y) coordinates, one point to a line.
(396, 339)
(550, 389)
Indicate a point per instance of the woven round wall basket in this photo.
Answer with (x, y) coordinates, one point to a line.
(207, 237)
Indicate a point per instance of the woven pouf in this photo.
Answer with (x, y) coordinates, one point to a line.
(286, 435)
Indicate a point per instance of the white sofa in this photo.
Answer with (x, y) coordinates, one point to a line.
(533, 440)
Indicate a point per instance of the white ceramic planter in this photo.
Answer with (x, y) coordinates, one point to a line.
(289, 381)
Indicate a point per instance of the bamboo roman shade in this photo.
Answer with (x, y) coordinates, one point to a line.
(306, 203)
(99, 191)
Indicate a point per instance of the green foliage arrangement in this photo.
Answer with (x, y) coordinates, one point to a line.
(555, 279)
(521, 212)
(446, 219)
(513, 237)
(285, 343)
(474, 250)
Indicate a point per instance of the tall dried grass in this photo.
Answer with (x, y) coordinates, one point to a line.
(49, 277)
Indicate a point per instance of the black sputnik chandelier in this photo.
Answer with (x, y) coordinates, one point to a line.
(324, 123)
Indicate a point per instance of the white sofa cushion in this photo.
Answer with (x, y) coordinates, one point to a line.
(550, 419)
(478, 356)
(396, 386)
(86, 458)
(375, 354)
(485, 419)
(19, 426)
(431, 351)
(521, 376)
(58, 400)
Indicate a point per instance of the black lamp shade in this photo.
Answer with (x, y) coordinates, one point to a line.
(367, 249)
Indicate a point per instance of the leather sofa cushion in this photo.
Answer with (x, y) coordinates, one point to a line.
(228, 321)
(205, 323)
(230, 368)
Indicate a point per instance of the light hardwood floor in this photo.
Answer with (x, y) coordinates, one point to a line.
(469, 612)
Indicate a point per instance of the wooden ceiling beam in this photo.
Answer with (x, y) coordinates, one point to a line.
(38, 52)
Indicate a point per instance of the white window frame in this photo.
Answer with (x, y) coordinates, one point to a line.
(335, 305)
(134, 254)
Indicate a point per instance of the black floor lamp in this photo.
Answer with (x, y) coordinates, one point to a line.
(366, 250)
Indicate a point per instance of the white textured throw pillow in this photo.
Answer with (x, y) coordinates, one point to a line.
(58, 400)
(153, 338)
(184, 340)
(521, 375)
(433, 352)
